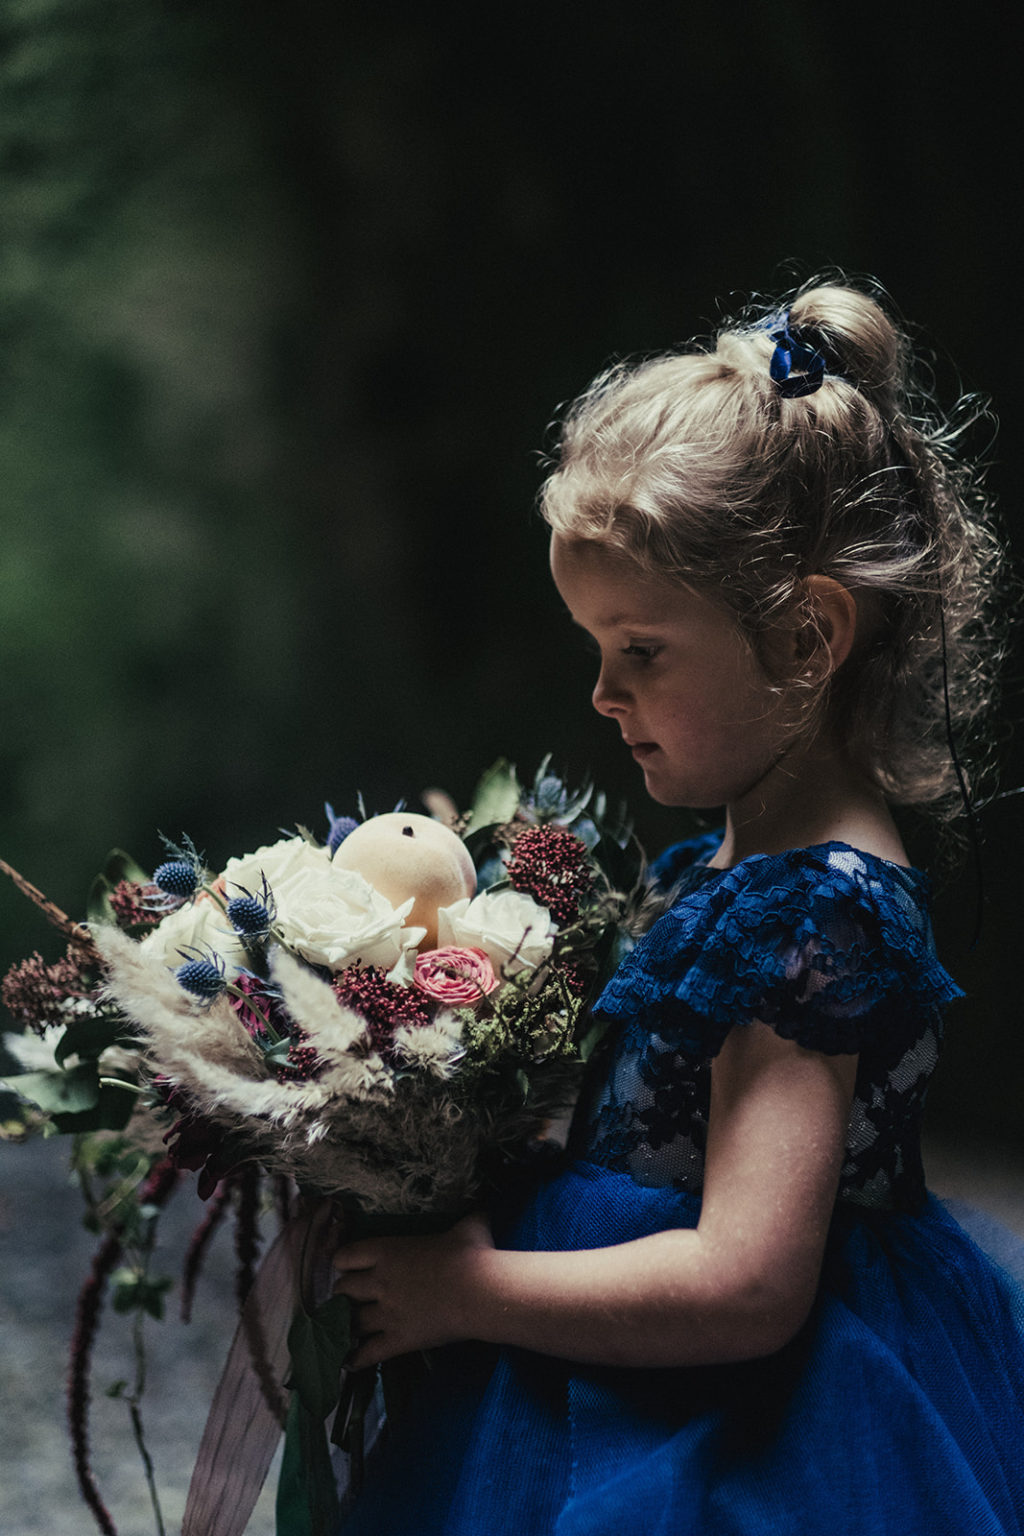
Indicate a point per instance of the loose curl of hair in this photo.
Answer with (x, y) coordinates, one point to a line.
(696, 469)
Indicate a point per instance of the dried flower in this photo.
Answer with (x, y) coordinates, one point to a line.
(137, 906)
(35, 992)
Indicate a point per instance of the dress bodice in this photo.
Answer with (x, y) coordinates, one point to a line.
(831, 947)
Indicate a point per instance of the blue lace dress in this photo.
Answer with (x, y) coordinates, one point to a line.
(897, 1409)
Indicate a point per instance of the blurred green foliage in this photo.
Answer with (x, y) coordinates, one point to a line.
(287, 298)
(144, 272)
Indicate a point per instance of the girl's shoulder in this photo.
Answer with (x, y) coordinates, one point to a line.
(677, 860)
(830, 945)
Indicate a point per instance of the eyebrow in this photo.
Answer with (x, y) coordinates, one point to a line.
(625, 620)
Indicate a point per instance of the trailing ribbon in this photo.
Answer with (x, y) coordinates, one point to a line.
(251, 1404)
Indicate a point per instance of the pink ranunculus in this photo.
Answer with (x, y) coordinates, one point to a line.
(454, 975)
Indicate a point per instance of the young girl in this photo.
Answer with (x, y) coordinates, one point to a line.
(738, 1310)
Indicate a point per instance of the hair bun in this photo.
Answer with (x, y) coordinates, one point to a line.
(856, 338)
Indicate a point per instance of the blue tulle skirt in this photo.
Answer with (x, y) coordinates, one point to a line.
(898, 1409)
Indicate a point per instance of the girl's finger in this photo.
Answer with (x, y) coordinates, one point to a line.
(354, 1256)
(348, 1285)
(369, 1351)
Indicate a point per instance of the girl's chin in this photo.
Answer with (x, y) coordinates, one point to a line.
(680, 795)
(669, 794)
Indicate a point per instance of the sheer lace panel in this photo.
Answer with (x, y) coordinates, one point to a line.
(832, 948)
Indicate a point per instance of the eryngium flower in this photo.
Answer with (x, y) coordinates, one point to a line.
(177, 877)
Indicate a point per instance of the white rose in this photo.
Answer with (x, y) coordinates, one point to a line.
(514, 931)
(276, 863)
(198, 925)
(334, 917)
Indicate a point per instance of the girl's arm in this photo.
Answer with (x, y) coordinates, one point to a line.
(737, 1286)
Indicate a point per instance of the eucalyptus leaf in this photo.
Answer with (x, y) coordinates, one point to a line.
(151, 1295)
(496, 796)
(60, 1092)
(318, 1345)
(127, 1286)
(90, 1035)
(278, 1052)
(119, 866)
(134, 1291)
(111, 1111)
(97, 908)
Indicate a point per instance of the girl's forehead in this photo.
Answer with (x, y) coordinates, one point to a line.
(612, 587)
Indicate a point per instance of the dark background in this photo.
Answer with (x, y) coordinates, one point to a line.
(288, 297)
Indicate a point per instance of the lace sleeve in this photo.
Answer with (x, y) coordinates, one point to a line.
(830, 947)
(670, 866)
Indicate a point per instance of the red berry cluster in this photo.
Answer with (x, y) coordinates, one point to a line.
(550, 864)
(383, 1004)
(303, 1064)
(575, 977)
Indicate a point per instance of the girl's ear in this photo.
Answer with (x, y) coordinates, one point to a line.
(833, 611)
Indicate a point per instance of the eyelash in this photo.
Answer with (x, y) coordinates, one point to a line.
(636, 652)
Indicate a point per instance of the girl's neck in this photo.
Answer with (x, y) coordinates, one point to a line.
(814, 795)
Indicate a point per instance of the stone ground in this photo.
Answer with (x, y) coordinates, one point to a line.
(44, 1255)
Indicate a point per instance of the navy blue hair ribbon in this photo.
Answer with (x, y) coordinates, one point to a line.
(790, 352)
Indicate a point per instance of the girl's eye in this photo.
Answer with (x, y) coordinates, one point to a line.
(642, 652)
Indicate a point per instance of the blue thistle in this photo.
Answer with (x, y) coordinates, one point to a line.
(183, 872)
(204, 978)
(550, 795)
(551, 801)
(177, 878)
(248, 916)
(340, 827)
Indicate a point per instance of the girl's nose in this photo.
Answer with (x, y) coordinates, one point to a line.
(607, 698)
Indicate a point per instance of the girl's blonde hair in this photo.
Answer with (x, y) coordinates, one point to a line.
(695, 467)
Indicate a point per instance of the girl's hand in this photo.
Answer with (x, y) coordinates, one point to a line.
(411, 1293)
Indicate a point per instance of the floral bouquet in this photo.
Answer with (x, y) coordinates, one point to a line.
(384, 1023)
